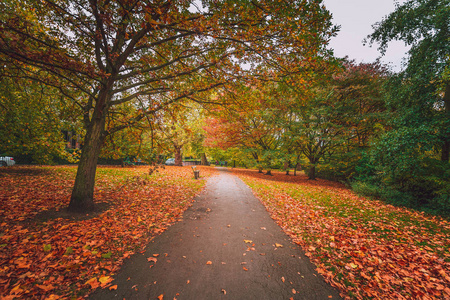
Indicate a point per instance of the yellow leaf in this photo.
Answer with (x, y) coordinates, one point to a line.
(105, 279)
(248, 241)
(278, 245)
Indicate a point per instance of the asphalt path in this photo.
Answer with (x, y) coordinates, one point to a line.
(226, 247)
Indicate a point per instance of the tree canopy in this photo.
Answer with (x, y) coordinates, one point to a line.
(100, 54)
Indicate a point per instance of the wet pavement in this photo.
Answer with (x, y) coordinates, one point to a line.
(226, 247)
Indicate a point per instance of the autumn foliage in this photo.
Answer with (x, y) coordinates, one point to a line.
(46, 257)
(366, 248)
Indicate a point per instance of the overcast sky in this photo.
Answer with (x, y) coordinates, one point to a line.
(356, 18)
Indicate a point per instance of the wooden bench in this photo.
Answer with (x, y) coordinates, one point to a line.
(196, 172)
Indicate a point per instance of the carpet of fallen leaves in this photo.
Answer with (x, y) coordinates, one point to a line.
(68, 258)
(365, 248)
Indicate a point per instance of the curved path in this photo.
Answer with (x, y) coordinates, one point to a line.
(226, 247)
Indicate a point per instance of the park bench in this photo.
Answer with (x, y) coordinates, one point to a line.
(196, 172)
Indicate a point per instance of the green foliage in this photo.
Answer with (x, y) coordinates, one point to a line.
(404, 178)
(402, 166)
(31, 122)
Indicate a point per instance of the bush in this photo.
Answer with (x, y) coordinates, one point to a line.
(425, 186)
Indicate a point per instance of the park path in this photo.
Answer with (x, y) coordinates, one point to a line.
(226, 247)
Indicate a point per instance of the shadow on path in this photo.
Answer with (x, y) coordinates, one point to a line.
(226, 247)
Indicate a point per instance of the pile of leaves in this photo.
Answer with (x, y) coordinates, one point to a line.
(365, 248)
(45, 257)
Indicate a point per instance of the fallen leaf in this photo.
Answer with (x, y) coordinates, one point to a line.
(278, 245)
(153, 259)
(113, 287)
(45, 287)
(209, 262)
(248, 241)
(105, 279)
(245, 269)
(282, 279)
(161, 297)
(224, 292)
(93, 283)
(294, 291)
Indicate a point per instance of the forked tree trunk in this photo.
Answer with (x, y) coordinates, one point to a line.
(178, 158)
(82, 199)
(204, 160)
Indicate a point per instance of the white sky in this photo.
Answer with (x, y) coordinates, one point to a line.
(356, 18)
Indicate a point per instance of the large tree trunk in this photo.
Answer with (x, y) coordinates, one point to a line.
(204, 160)
(82, 199)
(178, 158)
(312, 172)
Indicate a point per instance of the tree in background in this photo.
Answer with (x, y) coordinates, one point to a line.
(103, 54)
(409, 164)
(178, 128)
(356, 112)
(421, 93)
(248, 124)
(31, 122)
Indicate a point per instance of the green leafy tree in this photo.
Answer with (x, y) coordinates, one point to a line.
(409, 163)
(421, 93)
(31, 122)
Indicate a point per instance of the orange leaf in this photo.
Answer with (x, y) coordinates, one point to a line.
(45, 287)
(113, 287)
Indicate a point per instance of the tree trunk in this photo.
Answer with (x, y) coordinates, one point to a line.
(82, 199)
(312, 172)
(286, 167)
(445, 151)
(178, 158)
(446, 146)
(204, 160)
(269, 172)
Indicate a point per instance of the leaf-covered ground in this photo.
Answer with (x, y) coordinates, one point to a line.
(366, 248)
(47, 258)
